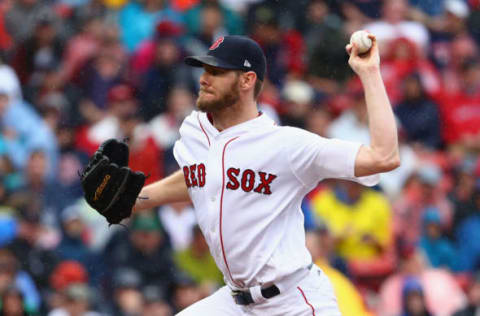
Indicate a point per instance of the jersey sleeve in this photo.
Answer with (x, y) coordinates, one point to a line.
(313, 158)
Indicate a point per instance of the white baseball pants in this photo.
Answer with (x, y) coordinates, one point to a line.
(312, 296)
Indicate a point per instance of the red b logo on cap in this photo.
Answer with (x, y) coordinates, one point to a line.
(217, 43)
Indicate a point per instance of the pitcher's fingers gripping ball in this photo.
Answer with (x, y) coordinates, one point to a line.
(363, 63)
(109, 186)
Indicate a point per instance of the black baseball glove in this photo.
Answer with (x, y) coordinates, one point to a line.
(109, 186)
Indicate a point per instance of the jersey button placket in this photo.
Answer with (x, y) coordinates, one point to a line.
(213, 186)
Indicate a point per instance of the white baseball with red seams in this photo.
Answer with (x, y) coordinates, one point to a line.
(362, 41)
(247, 184)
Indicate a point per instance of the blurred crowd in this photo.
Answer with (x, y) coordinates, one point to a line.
(74, 73)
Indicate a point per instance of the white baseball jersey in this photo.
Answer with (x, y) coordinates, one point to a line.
(247, 184)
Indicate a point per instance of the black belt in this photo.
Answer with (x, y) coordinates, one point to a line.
(245, 297)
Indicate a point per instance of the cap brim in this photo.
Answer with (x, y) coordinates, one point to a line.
(199, 61)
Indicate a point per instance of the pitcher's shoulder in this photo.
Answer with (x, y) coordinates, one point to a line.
(192, 118)
(294, 132)
(191, 123)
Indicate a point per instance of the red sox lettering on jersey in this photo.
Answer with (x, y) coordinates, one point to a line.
(194, 175)
(247, 184)
(247, 180)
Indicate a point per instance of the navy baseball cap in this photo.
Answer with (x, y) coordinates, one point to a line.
(233, 52)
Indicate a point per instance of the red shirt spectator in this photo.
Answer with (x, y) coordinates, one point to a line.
(401, 60)
(460, 110)
(122, 120)
(5, 39)
(82, 47)
(144, 56)
(147, 158)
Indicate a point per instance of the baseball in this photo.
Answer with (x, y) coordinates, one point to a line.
(361, 39)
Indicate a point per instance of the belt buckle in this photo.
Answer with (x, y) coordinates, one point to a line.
(239, 298)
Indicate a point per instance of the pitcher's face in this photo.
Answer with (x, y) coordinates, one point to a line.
(218, 89)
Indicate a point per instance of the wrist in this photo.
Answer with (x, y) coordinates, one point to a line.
(370, 76)
(368, 72)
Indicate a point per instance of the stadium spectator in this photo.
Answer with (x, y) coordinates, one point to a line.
(10, 82)
(66, 185)
(325, 52)
(211, 27)
(445, 19)
(145, 249)
(450, 58)
(321, 244)
(33, 250)
(178, 219)
(12, 275)
(419, 116)
(144, 155)
(165, 126)
(127, 297)
(22, 17)
(166, 71)
(394, 24)
(197, 262)
(42, 48)
(65, 274)
(439, 251)
(5, 38)
(402, 60)
(155, 302)
(142, 59)
(284, 49)
(298, 99)
(290, 15)
(13, 304)
(77, 302)
(419, 192)
(465, 233)
(122, 104)
(358, 13)
(349, 299)
(434, 9)
(318, 120)
(185, 292)
(359, 220)
(463, 195)
(473, 292)
(351, 124)
(24, 132)
(232, 21)
(100, 75)
(73, 245)
(8, 225)
(459, 109)
(81, 47)
(440, 300)
(413, 299)
(137, 20)
(472, 21)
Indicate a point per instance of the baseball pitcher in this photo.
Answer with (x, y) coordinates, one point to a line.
(246, 178)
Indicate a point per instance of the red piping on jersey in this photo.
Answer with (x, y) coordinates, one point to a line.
(201, 126)
(306, 301)
(221, 209)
